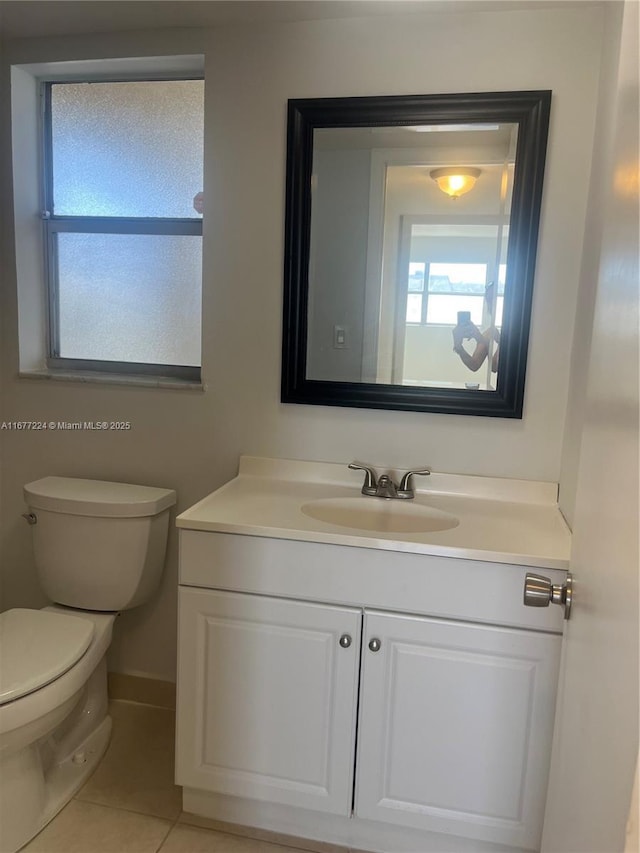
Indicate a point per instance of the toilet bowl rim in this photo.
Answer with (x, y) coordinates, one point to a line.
(25, 709)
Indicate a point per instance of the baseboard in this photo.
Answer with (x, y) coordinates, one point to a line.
(352, 832)
(146, 691)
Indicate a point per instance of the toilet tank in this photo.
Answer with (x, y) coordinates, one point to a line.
(98, 545)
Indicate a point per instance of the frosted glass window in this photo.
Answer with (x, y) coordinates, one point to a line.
(126, 162)
(130, 149)
(130, 297)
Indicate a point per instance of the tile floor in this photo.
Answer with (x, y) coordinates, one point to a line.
(130, 804)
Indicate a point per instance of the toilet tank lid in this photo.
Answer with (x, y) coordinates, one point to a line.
(97, 497)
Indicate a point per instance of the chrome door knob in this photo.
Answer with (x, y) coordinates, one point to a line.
(540, 592)
(345, 641)
(374, 644)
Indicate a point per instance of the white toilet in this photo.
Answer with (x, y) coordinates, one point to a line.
(99, 548)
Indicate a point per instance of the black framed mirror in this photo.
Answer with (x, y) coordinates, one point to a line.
(410, 243)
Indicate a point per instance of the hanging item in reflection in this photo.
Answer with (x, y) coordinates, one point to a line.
(455, 181)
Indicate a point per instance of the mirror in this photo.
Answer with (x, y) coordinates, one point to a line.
(410, 240)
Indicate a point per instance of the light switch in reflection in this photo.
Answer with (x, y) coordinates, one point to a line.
(339, 337)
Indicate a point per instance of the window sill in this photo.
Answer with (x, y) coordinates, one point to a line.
(94, 378)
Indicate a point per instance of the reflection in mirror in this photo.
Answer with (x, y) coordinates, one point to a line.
(410, 261)
(429, 255)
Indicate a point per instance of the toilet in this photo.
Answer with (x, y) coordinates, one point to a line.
(99, 549)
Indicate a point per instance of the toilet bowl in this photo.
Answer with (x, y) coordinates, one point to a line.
(99, 549)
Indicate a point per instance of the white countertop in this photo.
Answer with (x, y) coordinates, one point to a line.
(500, 520)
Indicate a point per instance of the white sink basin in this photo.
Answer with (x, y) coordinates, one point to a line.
(378, 514)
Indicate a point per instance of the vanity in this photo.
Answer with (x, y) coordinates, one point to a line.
(363, 671)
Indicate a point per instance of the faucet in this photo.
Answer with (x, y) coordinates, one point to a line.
(405, 489)
(384, 487)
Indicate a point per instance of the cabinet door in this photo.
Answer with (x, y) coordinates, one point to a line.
(267, 698)
(455, 727)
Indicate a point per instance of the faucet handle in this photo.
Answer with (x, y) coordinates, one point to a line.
(405, 484)
(370, 482)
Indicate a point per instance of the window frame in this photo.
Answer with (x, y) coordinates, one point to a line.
(56, 224)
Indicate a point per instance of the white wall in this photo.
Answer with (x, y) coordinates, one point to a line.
(191, 441)
(338, 262)
(590, 261)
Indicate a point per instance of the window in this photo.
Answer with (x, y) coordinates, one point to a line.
(450, 287)
(123, 240)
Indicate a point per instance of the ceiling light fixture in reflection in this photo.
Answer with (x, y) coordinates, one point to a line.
(455, 181)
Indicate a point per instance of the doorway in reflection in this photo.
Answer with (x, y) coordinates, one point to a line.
(440, 256)
(443, 271)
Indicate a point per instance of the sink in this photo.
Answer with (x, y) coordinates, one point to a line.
(380, 515)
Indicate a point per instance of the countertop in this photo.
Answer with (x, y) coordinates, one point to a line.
(500, 520)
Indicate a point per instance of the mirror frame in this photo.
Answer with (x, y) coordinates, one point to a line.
(530, 110)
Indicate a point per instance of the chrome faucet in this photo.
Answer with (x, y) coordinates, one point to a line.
(384, 487)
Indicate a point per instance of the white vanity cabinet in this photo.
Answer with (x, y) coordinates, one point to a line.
(406, 694)
(455, 727)
(268, 698)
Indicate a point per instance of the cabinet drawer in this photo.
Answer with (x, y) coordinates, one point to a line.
(446, 587)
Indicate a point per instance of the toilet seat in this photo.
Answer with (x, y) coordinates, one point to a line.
(37, 647)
